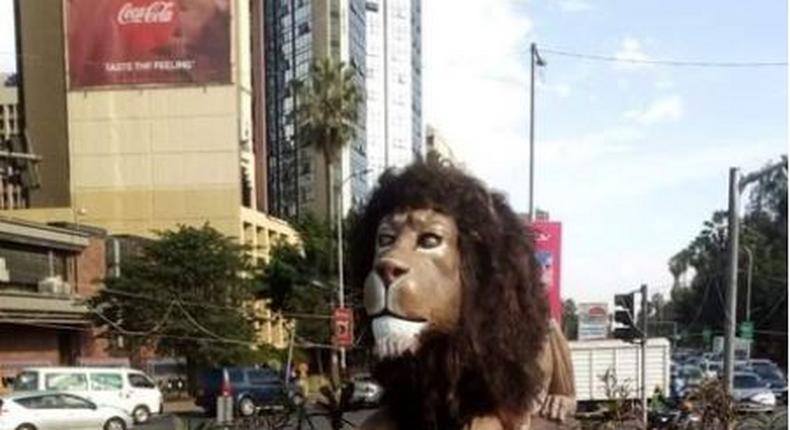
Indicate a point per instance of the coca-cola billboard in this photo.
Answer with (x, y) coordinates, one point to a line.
(133, 42)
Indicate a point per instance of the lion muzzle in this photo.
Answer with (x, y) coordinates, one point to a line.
(395, 336)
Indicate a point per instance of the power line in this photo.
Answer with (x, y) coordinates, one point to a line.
(663, 62)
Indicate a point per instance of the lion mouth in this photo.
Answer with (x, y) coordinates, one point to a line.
(394, 336)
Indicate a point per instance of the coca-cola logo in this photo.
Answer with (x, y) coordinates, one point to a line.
(156, 12)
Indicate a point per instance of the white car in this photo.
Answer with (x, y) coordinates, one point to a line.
(752, 394)
(50, 410)
(123, 388)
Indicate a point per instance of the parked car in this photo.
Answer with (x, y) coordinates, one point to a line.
(773, 375)
(712, 369)
(689, 377)
(251, 388)
(128, 389)
(751, 393)
(52, 410)
(365, 391)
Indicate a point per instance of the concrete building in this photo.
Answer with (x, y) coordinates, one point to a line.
(297, 33)
(46, 273)
(437, 146)
(9, 107)
(131, 149)
(18, 168)
(394, 84)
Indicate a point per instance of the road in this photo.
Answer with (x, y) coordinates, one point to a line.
(192, 420)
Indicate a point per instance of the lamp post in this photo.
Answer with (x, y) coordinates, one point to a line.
(341, 297)
(535, 60)
(737, 184)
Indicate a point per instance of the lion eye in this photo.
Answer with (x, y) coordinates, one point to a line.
(385, 239)
(429, 240)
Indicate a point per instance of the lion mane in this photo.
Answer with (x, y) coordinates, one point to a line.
(488, 366)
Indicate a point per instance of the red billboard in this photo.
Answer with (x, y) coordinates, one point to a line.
(548, 250)
(136, 42)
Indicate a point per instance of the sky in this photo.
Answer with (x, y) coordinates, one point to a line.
(632, 159)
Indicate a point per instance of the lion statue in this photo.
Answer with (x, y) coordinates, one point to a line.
(459, 318)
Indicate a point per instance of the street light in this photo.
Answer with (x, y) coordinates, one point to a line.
(340, 277)
(737, 185)
(535, 60)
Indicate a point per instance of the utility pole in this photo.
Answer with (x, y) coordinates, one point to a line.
(737, 185)
(643, 291)
(732, 279)
(535, 60)
(749, 283)
(341, 296)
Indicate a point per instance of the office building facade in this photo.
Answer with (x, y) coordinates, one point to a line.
(394, 84)
(147, 115)
(298, 33)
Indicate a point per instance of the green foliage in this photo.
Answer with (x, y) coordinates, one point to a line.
(700, 302)
(329, 107)
(302, 278)
(187, 294)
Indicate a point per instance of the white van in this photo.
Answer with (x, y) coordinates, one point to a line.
(124, 388)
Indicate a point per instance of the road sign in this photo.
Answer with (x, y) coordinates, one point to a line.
(747, 330)
(343, 327)
(706, 335)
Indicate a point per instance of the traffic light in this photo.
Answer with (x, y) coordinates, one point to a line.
(624, 323)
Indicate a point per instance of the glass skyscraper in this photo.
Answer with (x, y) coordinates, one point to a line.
(297, 32)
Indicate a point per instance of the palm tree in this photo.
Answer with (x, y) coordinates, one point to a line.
(327, 112)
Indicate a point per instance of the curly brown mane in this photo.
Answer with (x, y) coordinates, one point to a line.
(488, 366)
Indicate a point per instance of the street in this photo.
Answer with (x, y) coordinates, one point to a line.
(189, 420)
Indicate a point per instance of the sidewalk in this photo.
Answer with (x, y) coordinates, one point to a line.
(181, 406)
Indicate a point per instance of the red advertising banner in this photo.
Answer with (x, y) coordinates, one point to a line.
(343, 327)
(134, 42)
(548, 250)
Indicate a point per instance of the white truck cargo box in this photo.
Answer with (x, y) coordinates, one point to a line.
(592, 358)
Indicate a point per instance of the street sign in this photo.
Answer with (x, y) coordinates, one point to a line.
(343, 327)
(706, 335)
(747, 330)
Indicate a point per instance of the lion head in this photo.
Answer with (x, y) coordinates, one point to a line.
(451, 288)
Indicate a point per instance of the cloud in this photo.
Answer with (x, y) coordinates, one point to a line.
(573, 6)
(662, 110)
(630, 54)
(476, 87)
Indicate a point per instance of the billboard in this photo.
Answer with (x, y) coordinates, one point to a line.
(593, 321)
(140, 42)
(548, 250)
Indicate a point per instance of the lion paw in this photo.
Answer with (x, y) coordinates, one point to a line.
(557, 407)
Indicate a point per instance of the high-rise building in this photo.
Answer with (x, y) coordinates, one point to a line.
(9, 107)
(394, 83)
(147, 114)
(297, 33)
(437, 146)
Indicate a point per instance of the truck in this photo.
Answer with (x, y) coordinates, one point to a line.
(592, 359)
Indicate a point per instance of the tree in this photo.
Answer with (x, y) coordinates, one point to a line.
(187, 294)
(570, 319)
(701, 303)
(327, 114)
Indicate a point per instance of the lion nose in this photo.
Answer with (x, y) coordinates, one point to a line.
(390, 270)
